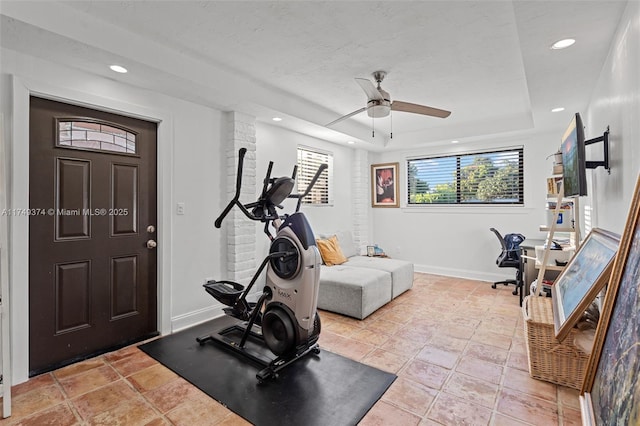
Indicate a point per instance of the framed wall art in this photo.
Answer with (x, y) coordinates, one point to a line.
(384, 185)
(611, 390)
(582, 279)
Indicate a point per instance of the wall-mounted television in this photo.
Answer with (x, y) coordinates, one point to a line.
(574, 169)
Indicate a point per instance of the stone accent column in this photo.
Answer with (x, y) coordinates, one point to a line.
(241, 232)
(361, 198)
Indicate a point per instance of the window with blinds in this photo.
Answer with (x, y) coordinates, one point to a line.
(308, 162)
(492, 177)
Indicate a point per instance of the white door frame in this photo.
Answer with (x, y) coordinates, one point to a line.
(19, 199)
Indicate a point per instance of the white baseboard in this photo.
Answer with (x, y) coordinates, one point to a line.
(461, 273)
(190, 319)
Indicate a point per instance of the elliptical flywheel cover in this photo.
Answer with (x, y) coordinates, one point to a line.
(286, 267)
(278, 331)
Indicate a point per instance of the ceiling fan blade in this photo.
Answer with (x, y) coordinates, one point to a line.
(369, 89)
(419, 109)
(344, 117)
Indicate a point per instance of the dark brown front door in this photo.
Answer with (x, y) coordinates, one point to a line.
(92, 199)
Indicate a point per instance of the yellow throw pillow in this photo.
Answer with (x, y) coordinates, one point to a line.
(330, 251)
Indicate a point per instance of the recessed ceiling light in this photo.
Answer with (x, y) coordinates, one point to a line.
(455, 141)
(118, 68)
(351, 142)
(277, 119)
(561, 44)
(557, 109)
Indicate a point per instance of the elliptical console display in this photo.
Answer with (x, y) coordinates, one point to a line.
(284, 319)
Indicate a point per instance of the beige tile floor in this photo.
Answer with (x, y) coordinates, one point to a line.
(456, 345)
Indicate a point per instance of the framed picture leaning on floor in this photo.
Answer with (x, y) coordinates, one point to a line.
(610, 394)
(582, 279)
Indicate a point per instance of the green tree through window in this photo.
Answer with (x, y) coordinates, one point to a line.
(494, 177)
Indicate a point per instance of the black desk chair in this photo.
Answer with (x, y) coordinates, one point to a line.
(510, 258)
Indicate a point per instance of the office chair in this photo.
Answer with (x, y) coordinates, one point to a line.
(510, 257)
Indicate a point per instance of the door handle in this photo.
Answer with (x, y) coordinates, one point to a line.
(151, 244)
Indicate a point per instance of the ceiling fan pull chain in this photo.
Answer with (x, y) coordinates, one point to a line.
(373, 128)
(391, 124)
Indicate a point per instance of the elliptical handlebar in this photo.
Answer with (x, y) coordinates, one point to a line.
(306, 192)
(244, 208)
(234, 201)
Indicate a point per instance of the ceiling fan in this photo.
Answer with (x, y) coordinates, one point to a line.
(379, 102)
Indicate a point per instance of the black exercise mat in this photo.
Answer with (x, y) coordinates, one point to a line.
(323, 389)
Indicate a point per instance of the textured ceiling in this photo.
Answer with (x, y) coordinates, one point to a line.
(488, 62)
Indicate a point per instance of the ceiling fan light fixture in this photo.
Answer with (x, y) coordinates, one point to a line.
(378, 108)
(378, 111)
(379, 102)
(563, 44)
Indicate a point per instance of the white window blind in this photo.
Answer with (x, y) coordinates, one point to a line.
(308, 162)
(491, 177)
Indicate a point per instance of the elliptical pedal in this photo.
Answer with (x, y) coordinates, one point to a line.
(225, 292)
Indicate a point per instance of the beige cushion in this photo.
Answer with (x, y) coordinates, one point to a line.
(330, 251)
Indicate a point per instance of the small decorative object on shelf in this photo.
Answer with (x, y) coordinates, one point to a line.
(553, 185)
(371, 251)
(564, 217)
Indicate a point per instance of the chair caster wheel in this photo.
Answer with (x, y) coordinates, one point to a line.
(514, 292)
(493, 286)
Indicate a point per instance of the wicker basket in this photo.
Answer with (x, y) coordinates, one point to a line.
(549, 360)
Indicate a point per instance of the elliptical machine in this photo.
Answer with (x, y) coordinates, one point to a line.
(285, 317)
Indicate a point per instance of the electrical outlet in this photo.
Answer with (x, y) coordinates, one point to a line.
(180, 208)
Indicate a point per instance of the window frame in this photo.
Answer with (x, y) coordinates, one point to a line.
(79, 119)
(457, 157)
(329, 178)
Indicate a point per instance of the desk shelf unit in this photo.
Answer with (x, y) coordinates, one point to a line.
(542, 264)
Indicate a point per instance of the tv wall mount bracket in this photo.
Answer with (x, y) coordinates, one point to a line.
(605, 141)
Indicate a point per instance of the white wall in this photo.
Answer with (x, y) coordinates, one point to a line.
(280, 146)
(199, 162)
(456, 240)
(615, 102)
(190, 168)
